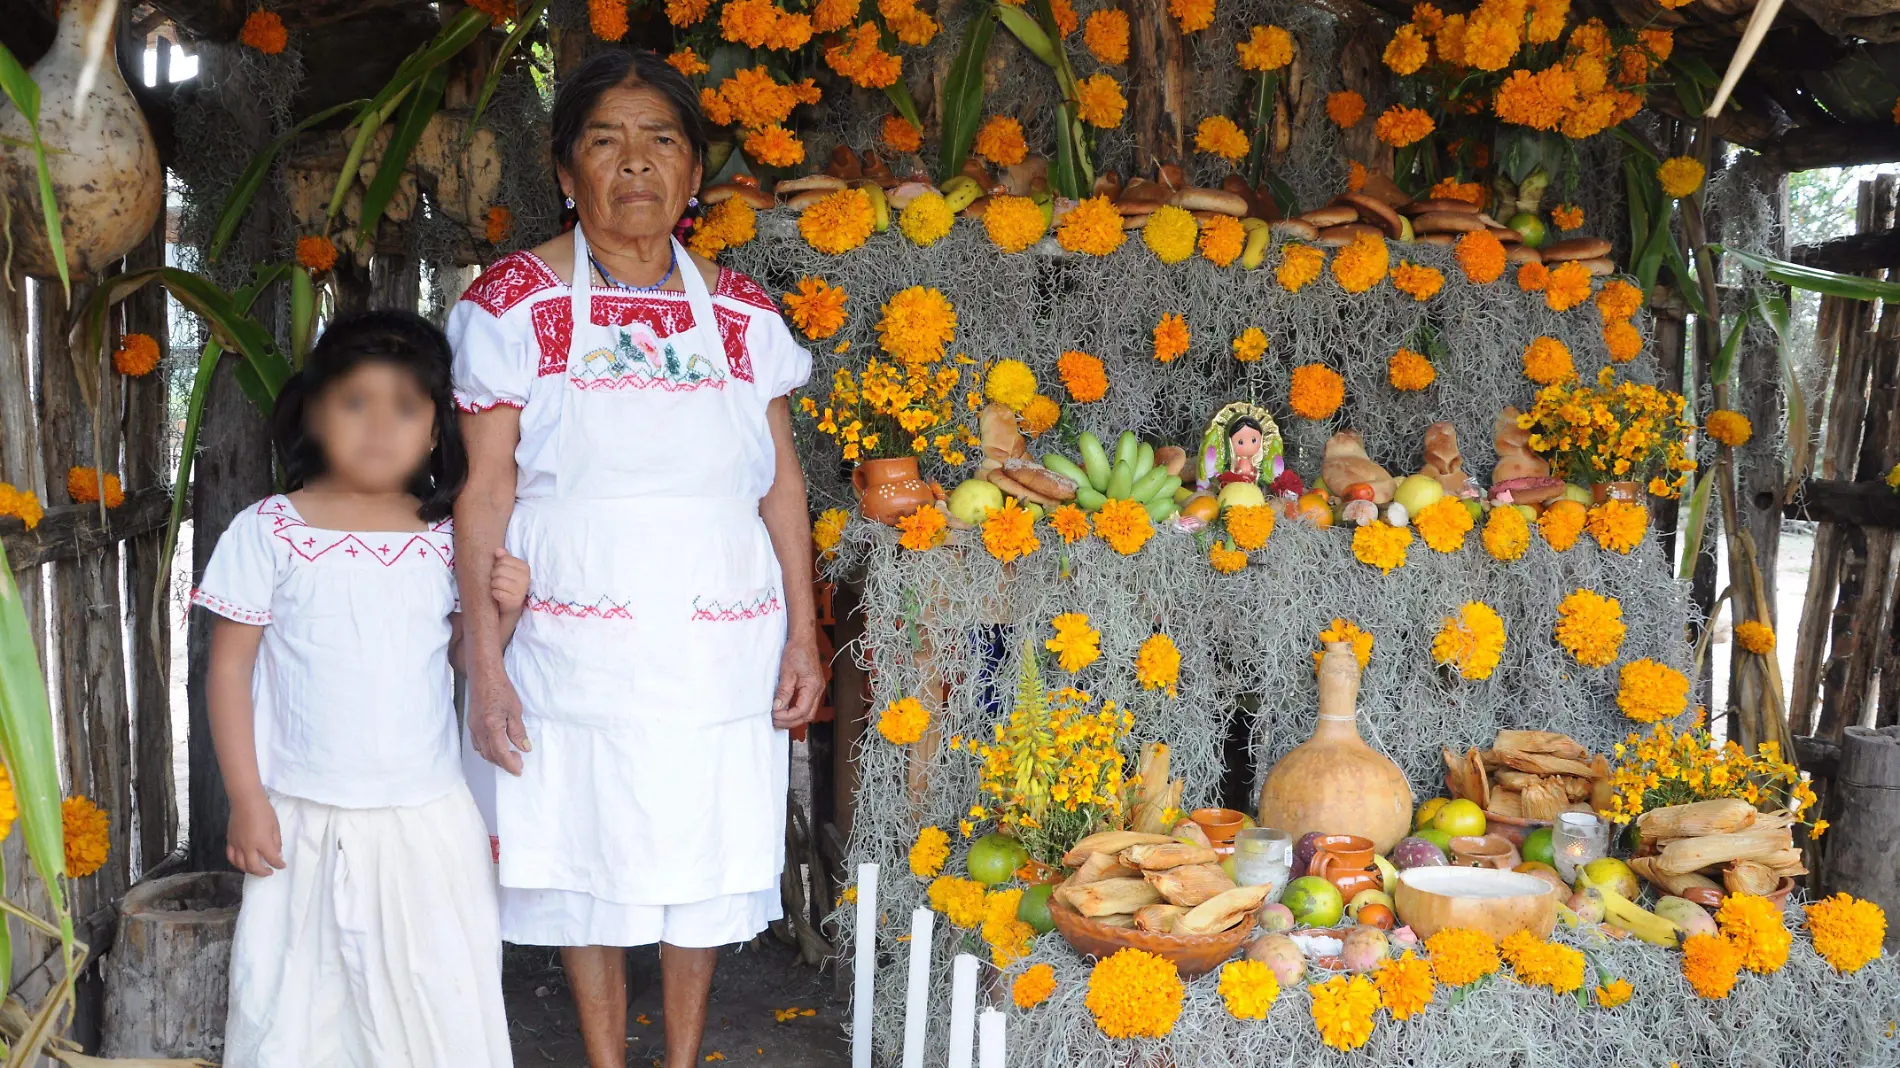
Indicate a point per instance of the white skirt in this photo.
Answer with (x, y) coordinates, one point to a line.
(573, 918)
(377, 944)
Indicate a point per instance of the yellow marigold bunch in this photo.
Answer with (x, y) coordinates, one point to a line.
(1342, 1010)
(500, 223)
(1170, 233)
(1567, 217)
(1000, 140)
(1755, 636)
(1409, 372)
(1222, 240)
(1590, 627)
(1617, 525)
(136, 356)
(1428, 18)
(916, 325)
(1076, 644)
(1649, 692)
(1093, 228)
(1133, 993)
(1345, 108)
(923, 529)
(1847, 931)
(774, 146)
(1267, 48)
(1710, 963)
(1193, 15)
(86, 485)
(837, 223)
(1124, 526)
(817, 308)
(1591, 38)
(1731, 428)
(1680, 176)
(1083, 375)
(903, 721)
(858, 57)
(684, 13)
(1613, 993)
(1665, 768)
(22, 505)
(1362, 264)
(1419, 283)
(728, 224)
(1171, 338)
(1009, 532)
(1250, 525)
(1105, 35)
(1623, 340)
(1481, 256)
(1248, 989)
(1099, 101)
(901, 135)
(1405, 985)
(1507, 534)
(828, 530)
(1612, 431)
(1490, 40)
(1009, 938)
(264, 31)
(1317, 391)
(1545, 964)
(1218, 135)
(1568, 285)
(1561, 526)
(316, 253)
(1033, 987)
(1014, 223)
(1010, 383)
(1407, 51)
(88, 838)
(1547, 362)
(1158, 664)
(1345, 630)
(1400, 126)
(959, 900)
(926, 220)
(1452, 189)
(1299, 264)
(688, 63)
(1460, 955)
(1540, 100)
(1071, 522)
(1040, 415)
(1449, 42)
(1381, 545)
(1753, 924)
(1225, 559)
(1547, 21)
(1470, 642)
(1250, 345)
(1444, 523)
(928, 853)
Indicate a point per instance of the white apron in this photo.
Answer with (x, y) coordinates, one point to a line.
(649, 656)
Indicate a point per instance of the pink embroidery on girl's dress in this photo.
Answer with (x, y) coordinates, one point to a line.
(228, 610)
(605, 608)
(713, 611)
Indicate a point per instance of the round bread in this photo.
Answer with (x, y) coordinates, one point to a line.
(1445, 222)
(1331, 215)
(909, 191)
(1140, 197)
(1297, 229)
(1506, 235)
(1599, 265)
(1195, 198)
(1436, 239)
(1377, 212)
(1173, 176)
(1039, 479)
(1431, 204)
(823, 183)
(1380, 188)
(1108, 184)
(1523, 254)
(1013, 488)
(977, 207)
(1132, 223)
(751, 194)
(1346, 233)
(801, 201)
(1576, 248)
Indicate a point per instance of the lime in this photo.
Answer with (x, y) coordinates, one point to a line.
(1537, 847)
(1474, 509)
(994, 858)
(1034, 909)
(1439, 838)
(1314, 901)
(1460, 817)
(1528, 226)
(1610, 873)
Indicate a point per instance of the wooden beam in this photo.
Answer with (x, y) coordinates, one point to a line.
(1861, 504)
(1853, 254)
(73, 530)
(1807, 148)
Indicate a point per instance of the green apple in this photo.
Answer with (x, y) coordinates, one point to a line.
(972, 501)
(1574, 492)
(1418, 492)
(1034, 510)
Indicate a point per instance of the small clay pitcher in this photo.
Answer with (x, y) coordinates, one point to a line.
(1345, 860)
(889, 490)
(1221, 824)
(1628, 492)
(1489, 851)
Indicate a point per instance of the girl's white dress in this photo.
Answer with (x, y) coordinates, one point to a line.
(378, 943)
(652, 806)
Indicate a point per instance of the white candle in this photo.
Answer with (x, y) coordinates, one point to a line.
(962, 1009)
(917, 995)
(865, 967)
(990, 1031)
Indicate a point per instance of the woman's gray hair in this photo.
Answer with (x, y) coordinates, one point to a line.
(602, 71)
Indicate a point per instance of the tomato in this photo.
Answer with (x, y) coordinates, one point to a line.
(1359, 491)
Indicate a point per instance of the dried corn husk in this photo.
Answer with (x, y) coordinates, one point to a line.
(1507, 803)
(1157, 793)
(1576, 789)
(1101, 866)
(1481, 777)
(1546, 764)
(1543, 800)
(1109, 842)
(1777, 820)
(1111, 896)
(1158, 918)
(1172, 855)
(1515, 780)
(1722, 816)
(1190, 884)
(1222, 911)
(1120, 919)
(1749, 877)
(1710, 850)
(1601, 794)
(1669, 882)
(1783, 862)
(1458, 780)
(1549, 743)
(1189, 831)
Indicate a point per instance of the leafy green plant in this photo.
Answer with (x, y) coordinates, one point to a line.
(963, 96)
(24, 92)
(1073, 171)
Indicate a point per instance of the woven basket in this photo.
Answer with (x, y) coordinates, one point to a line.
(1192, 954)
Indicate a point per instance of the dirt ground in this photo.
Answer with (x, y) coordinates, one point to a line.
(753, 982)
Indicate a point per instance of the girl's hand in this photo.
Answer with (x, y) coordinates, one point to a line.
(508, 581)
(252, 841)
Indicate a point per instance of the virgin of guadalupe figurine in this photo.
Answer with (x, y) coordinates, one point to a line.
(1242, 444)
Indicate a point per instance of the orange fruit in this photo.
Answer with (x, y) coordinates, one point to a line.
(1376, 916)
(1359, 491)
(1201, 506)
(1315, 510)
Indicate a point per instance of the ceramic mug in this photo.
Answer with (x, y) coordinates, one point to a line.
(1345, 860)
(1220, 825)
(1487, 851)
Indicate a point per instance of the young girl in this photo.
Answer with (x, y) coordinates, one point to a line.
(368, 934)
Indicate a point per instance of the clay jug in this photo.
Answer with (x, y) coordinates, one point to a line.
(1334, 782)
(1345, 860)
(104, 166)
(889, 490)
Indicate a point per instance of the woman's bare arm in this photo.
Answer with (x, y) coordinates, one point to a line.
(481, 523)
(253, 843)
(801, 676)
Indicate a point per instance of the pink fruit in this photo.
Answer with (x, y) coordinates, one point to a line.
(1275, 917)
(1587, 904)
(1365, 948)
(1303, 851)
(1281, 955)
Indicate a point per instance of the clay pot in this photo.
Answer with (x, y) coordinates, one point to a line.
(1345, 860)
(1493, 851)
(1628, 492)
(104, 165)
(889, 490)
(1334, 782)
(1192, 954)
(1220, 824)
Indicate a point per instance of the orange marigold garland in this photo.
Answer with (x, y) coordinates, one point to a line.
(1409, 372)
(1362, 264)
(1345, 108)
(1171, 338)
(85, 485)
(608, 19)
(1083, 375)
(1223, 239)
(1419, 283)
(1481, 256)
(1400, 126)
(901, 135)
(136, 355)
(817, 308)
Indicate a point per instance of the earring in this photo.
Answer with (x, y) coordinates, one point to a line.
(570, 203)
(691, 203)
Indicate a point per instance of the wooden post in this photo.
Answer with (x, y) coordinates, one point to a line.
(1159, 98)
(169, 971)
(1832, 342)
(1861, 856)
(395, 281)
(1671, 347)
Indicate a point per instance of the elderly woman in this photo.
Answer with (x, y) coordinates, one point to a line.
(629, 437)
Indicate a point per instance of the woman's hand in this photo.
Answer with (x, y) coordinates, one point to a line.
(253, 843)
(494, 725)
(801, 682)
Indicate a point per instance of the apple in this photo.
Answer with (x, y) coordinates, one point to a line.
(1528, 226)
(1236, 494)
(1418, 492)
(973, 500)
(1574, 492)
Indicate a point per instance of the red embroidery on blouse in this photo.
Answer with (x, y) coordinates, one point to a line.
(466, 405)
(605, 608)
(732, 326)
(664, 316)
(554, 327)
(311, 543)
(509, 281)
(228, 610)
(742, 288)
(715, 612)
(553, 333)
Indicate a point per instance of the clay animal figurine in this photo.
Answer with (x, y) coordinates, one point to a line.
(1345, 464)
(1445, 463)
(1521, 476)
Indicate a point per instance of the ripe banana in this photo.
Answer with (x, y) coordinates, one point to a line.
(1633, 918)
(1255, 252)
(960, 192)
(880, 205)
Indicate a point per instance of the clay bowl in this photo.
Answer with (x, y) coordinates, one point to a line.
(1499, 903)
(1511, 827)
(1192, 954)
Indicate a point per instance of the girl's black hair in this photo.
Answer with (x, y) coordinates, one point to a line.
(400, 339)
(615, 67)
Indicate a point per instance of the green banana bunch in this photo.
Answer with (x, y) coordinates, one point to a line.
(1132, 475)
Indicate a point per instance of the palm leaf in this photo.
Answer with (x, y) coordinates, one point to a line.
(899, 95)
(1813, 279)
(26, 744)
(963, 95)
(253, 177)
(19, 87)
(528, 20)
(1697, 522)
(417, 109)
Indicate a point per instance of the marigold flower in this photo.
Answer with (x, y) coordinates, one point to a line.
(1014, 223)
(1342, 1009)
(1133, 993)
(1248, 989)
(1170, 233)
(1567, 217)
(1710, 963)
(1507, 534)
(1223, 239)
(928, 853)
(1226, 560)
(916, 325)
(264, 31)
(9, 804)
(1490, 40)
(1381, 545)
(1567, 286)
(1460, 955)
(688, 63)
(1409, 372)
(1250, 525)
(1400, 126)
(1452, 189)
(1158, 664)
(1124, 526)
(1547, 362)
(1250, 345)
(681, 13)
(1755, 636)
(1428, 18)
(1267, 48)
(1033, 987)
(1419, 283)
(728, 224)
(1547, 20)
(316, 253)
(1407, 51)
(1171, 338)
(837, 223)
(1316, 392)
(1405, 984)
(900, 135)
(1220, 136)
(1083, 375)
(831, 16)
(88, 836)
(22, 505)
(1617, 525)
(1847, 931)
(1539, 100)
(1613, 993)
(828, 530)
(1546, 964)
(1193, 15)
(817, 308)
(1532, 277)
(1071, 522)
(1649, 692)
(1345, 108)
(86, 485)
(1623, 340)
(1299, 264)
(1444, 523)
(608, 19)
(1010, 383)
(136, 356)
(927, 219)
(922, 529)
(1105, 35)
(858, 57)
(1099, 101)
(907, 23)
(1093, 228)
(1345, 630)
(1561, 526)
(1000, 140)
(1470, 642)
(1618, 300)
(1362, 264)
(1040, 415)
(1009, 533)
(1680, 176)
(1481, 256)
(775, 146)
(961, 901)
(1449, 42)
(1590, 627)
(1731, 428)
